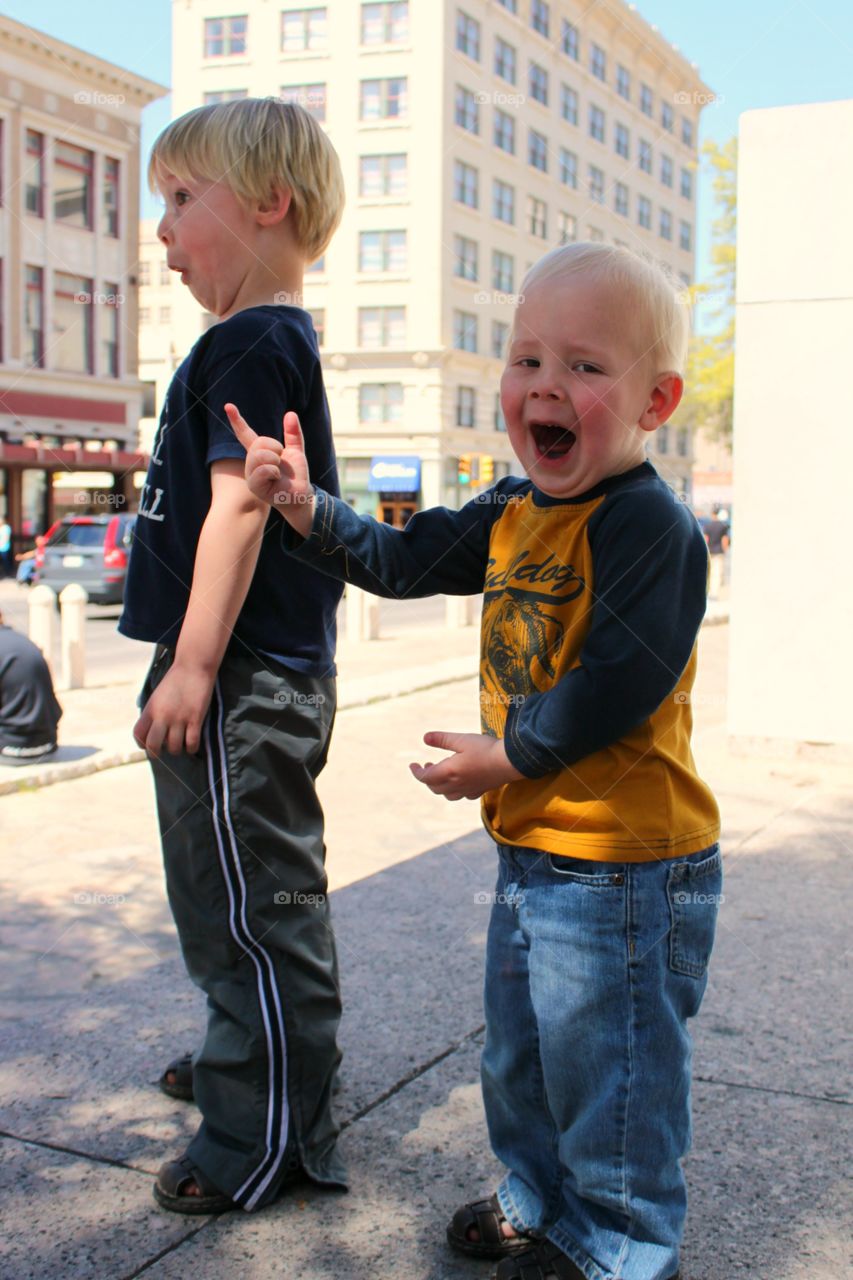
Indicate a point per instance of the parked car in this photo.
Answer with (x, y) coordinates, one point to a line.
(91, 550)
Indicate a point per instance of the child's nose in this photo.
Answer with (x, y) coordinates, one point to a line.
(163, 227)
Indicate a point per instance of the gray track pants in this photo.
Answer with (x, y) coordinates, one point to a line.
(242, 835)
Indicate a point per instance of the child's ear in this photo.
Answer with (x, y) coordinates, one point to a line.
(663, 401)
(274, 208)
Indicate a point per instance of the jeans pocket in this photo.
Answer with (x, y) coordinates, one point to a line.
(694, 890)
(598, 875)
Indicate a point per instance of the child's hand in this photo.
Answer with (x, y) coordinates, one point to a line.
(479, 763)
(174, 714)
(277, 473)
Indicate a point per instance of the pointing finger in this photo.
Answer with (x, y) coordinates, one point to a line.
(240, 427)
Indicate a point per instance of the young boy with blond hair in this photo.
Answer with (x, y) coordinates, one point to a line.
(237, 708)
(594, 578)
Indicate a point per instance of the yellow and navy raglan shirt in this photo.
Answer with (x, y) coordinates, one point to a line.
(591, 610)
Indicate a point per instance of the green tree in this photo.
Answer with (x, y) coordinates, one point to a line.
(707, 403)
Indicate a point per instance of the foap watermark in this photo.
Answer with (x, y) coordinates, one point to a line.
(696, 98)
(293, 499)
(688, 697)
(293, 698)
(92, 98)
(500, 899)
(489, 698)
(284, 898)
(683, 898)
(499, 98)
(99, 299)
(483, 297)
(84, 497)
(285, 299)
(96, 899)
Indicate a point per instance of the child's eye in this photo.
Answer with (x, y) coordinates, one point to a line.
(584, 366)
(181, 197)
(529, 362)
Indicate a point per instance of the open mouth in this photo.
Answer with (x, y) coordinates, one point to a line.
(552, 442)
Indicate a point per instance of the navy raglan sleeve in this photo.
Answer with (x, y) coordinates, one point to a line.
(438, 551)
(263, 385)
(649, 590)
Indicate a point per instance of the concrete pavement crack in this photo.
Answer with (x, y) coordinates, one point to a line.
(766, 1088)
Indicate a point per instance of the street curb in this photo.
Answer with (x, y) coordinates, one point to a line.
(96, 764)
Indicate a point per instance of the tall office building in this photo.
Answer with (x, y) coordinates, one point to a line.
(474, 136)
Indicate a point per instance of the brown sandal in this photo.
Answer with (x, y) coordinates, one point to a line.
(182, 1085)
(175, 1176)
(487, 1217)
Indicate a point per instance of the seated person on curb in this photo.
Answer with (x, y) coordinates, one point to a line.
(594, 577)
(29, 711)
(237, 708)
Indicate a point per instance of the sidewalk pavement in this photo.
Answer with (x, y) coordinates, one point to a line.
(85, 1127)
(95, 730)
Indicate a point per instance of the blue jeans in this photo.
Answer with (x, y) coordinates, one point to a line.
(592, 970)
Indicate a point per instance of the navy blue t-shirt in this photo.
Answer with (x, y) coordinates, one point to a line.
(264, 360)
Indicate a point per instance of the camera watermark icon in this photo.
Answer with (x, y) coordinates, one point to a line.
(99, 299)
(682, 898)
(500, 99)
(88, 899)
(293, 499)
(92, 98)
(696, 98)
(293, 698)
(484, 297)
(285, 299)
(284, 898)
(686, 697)
(500, 899)
(84, 497)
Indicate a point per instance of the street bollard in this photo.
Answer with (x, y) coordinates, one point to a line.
(42, 602)
(362, 614)
(72, 603)
(460, 611)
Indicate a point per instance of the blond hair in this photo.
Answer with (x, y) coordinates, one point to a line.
(655, 301)
(257, 145)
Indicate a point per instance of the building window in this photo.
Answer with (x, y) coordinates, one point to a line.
(499, 419)
(594, 233)
(72, 185)
(466, 184)
(144, 315)
(644, 212)
(71, 349)
(570, 40)
(145, 273)
(504, 131)
(596, 123)
(310, 96)
(537, 217)
(567, 228)
(382, 327)
(645, 160)
(109, 337)
(464, 331)
(539, 19)
(685, 236)
(622, 141)
(687, 184)
(467, 114)
(318, 320)
(568, 168)
(620, 199)
(384, 99)
(646, 100)
(383, 175)
(500, 336)
(666, 116)
(596, 184)
(465, 258)
(380, 402)
(538, 83)
(663, 439)
(598, 62)
(384, 23)
(681, 442)
(503, 271)
(34, 317)
(503, 202)
(666, 170)
(510, 5)
(466, 406)
(467, 35)
(165, 273)
(665, 224)
(225, 36)
(382, 251)
(537, 151)
(504, 60)
(568, 104)
(305, 29)
(165, 315)
(686, 131)
(223, 95)
(110, 206)
(623, 82)
(34, 161)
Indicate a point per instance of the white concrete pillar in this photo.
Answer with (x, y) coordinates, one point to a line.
(73, 600)
(460, 611)
(362, 614)
(42, 620)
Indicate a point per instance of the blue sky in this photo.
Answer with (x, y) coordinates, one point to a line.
(764, 54)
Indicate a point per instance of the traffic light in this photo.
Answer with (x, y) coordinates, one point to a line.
(487, 468)
(464, 469)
